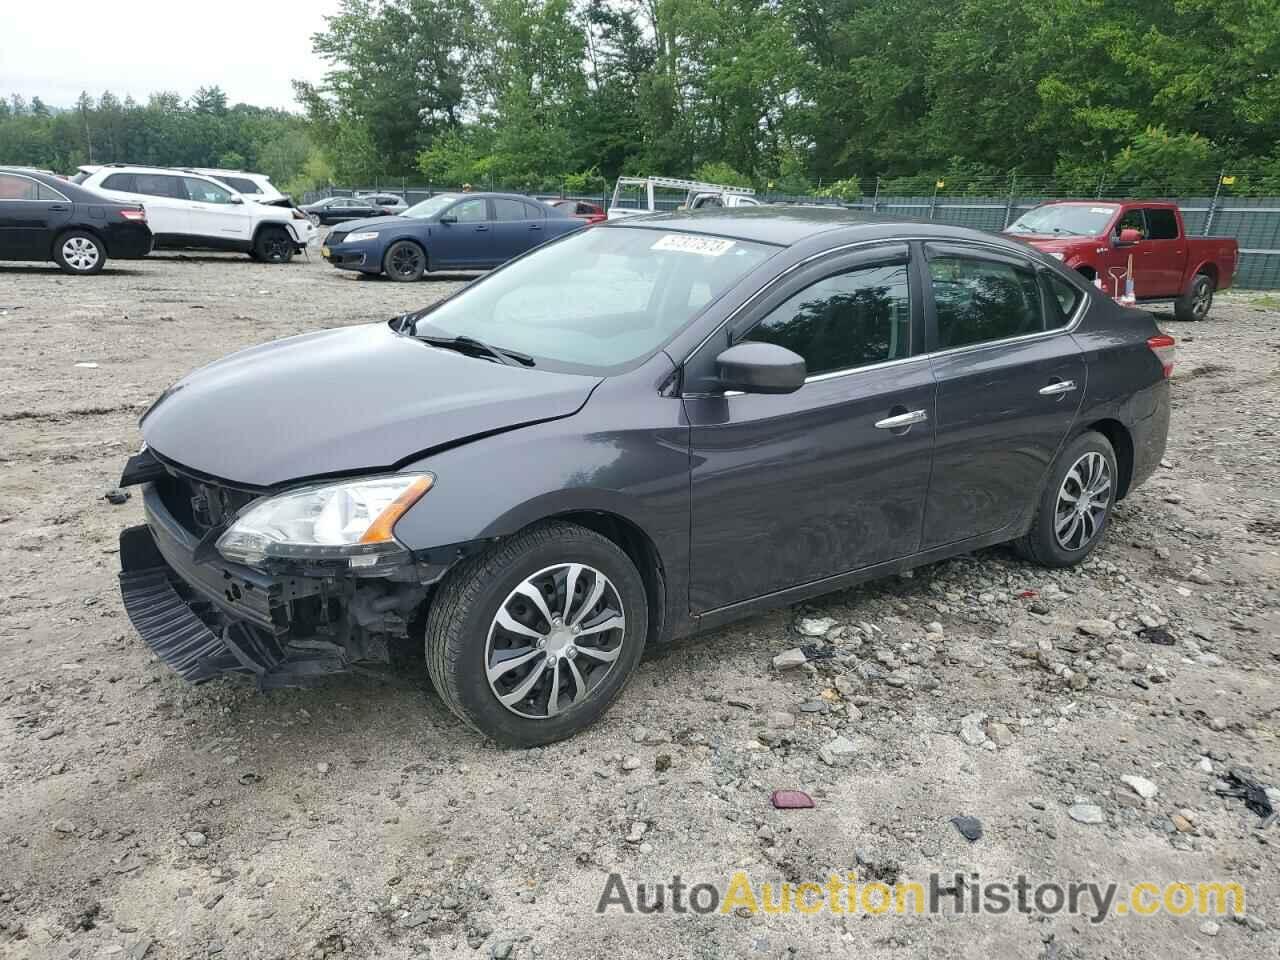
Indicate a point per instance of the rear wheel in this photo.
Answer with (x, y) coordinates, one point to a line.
(1075, 507)
(405, 261)
(80, 253)
(1198, 300)
(531, 641)
(273, 245)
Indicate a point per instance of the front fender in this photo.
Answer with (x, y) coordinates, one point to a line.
(634, 467)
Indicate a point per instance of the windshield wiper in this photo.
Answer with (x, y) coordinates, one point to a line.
(464, 344)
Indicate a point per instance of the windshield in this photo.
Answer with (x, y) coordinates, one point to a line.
(429, 207)
(1069, 219)
(597, 300)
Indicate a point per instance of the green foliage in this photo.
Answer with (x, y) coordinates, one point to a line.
(717, 171)
(166, 131)
(1073, 95)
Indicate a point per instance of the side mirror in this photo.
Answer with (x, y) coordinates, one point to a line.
(761, 368)
(235, 199)
(1128, 237)
(448, 218)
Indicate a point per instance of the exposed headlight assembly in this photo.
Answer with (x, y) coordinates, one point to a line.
(358, 237)
(350, 521)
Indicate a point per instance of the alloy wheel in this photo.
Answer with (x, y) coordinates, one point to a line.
(276, 248)
(1083, 501)
(80, 253)
(1201, 299)
(405, 260)
(554, 639)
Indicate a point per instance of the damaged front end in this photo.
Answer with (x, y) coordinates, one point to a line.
(291, 613)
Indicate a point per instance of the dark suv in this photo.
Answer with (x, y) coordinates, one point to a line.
(635, 432)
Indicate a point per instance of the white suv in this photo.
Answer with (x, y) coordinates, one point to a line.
(251, 186)
(186, 210)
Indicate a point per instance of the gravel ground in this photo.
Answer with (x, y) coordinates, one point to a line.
(142, 817)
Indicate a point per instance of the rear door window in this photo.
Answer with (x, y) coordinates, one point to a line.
(1162, 223)
(504, 209)
(17, 188)
(978, 300)
(120, 181)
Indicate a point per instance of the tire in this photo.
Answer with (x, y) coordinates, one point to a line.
(404, 261)
(1198, 300)
(79, 253)
(1080, 460)
(273, 245)
(464, 637)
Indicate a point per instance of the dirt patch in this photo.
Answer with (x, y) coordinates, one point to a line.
(140, 816)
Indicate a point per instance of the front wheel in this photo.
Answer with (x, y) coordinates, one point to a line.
(1075, 507)
(1198, 300)
(531, 641)
(80, 253)
(405, 261)
(274, 245)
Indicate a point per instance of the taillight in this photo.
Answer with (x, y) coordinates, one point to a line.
(137, 216)
(1166, 351)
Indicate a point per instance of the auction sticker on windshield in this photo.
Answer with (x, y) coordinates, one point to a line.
(685, 243)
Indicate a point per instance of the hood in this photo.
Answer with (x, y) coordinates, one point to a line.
(1051, 242)
(346, 400)
(372, 223)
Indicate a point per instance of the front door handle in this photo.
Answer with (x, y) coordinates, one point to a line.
(902, 420)
(1057, 387)
(481, 229)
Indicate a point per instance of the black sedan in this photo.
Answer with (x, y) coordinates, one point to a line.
(450, 231)
(341, 209)
(43, 218)
(645, 429)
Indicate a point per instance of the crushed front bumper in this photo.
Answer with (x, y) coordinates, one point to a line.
(205, 617)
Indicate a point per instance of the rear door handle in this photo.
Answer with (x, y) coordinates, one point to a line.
(1058, 386)
(481, 229)
(59, 207)
(902, 420)
(535, 226)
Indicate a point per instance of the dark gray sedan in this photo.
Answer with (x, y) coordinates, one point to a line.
(641, 430)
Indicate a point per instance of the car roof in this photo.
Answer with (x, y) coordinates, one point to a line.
(819, 227)
(72, 191)
(778, 224)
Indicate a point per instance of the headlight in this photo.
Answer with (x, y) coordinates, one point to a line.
(1058, 256)
(342, 521)
(357, 237)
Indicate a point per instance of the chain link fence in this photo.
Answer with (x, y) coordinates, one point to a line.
(993, 203)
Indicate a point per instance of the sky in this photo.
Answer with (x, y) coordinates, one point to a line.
(250, 48)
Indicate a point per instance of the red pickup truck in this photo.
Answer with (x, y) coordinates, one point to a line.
(1097, 238)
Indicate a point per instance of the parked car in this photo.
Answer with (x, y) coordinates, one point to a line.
(189, 210)
(387, 204)
(639, 430)
(43, 218)
(450, 231)
(588, 212)
(251, 186)
(638, 196)
(1098, 238)
(340, 209)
